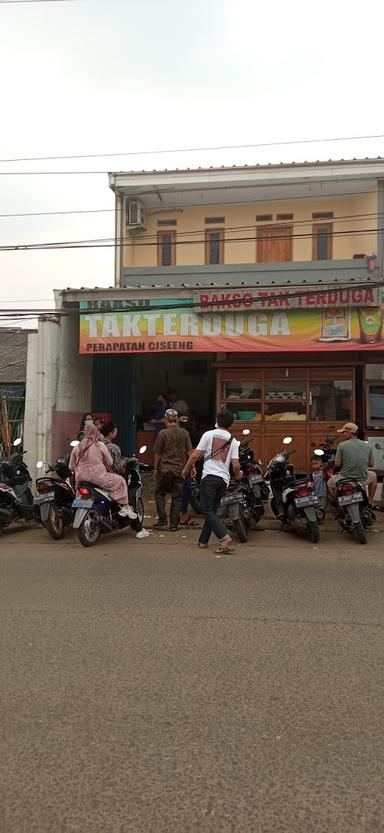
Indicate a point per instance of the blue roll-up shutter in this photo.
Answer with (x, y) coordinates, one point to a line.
(114, 391)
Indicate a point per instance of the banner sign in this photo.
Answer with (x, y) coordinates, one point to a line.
(155, 326)
(308, 297)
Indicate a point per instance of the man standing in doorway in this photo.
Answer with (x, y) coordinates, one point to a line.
(354, 456)
(220, 450)
(172, 449)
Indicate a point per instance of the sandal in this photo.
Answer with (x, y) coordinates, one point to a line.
(203, 546)
(190, 522)
(225, 550)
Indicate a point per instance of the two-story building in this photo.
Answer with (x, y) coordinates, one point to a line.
(258, 288)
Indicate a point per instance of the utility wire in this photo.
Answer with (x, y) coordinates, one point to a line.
(106, 242)
(176, 207)
(162, 151)
(160, 229)
(279, 295)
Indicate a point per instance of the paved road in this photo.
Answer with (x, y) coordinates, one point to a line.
(149, 687)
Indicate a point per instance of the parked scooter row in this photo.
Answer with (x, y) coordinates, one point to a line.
(292, 499)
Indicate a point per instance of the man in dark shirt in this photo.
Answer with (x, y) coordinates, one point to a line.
(172, 449)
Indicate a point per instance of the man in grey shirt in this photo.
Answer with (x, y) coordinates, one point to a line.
(354, 456)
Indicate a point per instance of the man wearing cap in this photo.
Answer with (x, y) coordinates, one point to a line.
(353, 456)
(172, 449)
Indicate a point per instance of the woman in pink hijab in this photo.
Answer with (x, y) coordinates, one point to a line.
(90, 461)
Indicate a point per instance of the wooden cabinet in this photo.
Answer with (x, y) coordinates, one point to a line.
(306, 403)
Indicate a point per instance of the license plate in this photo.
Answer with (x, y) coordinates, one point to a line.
(226, 501)
(309, 500)
(45, 498)
(346, 500)
(256, 478)
(82, 504)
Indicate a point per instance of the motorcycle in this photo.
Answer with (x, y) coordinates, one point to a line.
(354, 513)
(16, 499)
(55, 497)
(97, 513)
(292, 501)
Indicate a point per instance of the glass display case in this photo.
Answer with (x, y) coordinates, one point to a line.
(243, 398)
(331, 401)
(375, 404)
(285, 400)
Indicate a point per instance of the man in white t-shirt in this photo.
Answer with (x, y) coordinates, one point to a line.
(220, 450)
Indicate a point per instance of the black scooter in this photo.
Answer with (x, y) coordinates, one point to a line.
(54, 498)
(292, 502)
(16, 499)
(354, 513)
(97, 513)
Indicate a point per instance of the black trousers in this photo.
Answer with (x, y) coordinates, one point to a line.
(168, 483)
(212, 489)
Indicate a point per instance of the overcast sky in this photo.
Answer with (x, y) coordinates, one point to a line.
(103, 76)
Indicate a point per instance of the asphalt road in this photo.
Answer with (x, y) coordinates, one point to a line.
(151, 687)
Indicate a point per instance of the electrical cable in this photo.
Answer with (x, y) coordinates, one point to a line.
(163, 151)
(108, 242)
(254, 300)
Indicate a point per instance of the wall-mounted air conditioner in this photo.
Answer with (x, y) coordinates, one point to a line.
(135, 214)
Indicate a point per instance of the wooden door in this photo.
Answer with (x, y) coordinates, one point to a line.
(274, 244)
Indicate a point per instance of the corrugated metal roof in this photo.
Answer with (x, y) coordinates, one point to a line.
(255, 166)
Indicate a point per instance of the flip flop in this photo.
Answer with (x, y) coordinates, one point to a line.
(191, 522)
(225, 550)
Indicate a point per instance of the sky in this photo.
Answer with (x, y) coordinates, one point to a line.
(118, 76)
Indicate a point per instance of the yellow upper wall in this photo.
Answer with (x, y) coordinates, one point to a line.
(354, 225)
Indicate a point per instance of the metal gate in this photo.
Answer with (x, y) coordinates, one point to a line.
(12, 416)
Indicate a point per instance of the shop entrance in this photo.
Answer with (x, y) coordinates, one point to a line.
(127, 387)
(191, 376)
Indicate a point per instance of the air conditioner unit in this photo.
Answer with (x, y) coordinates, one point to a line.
(135, 214)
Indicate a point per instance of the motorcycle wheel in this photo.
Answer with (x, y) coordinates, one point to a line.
(195, 503)
(89, 532)
(55, 523)
(359, 532)
(240, 529)
(314, 532)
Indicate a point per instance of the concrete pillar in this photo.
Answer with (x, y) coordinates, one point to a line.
(41, 385)
(380, 226)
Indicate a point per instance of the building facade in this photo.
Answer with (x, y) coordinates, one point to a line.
(255, 288)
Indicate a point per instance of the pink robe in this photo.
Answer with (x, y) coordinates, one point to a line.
(92, 468)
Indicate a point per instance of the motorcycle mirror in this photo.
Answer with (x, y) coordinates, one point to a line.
(17, 442)
(143, 449)
(74, 443)
(319, 452)
(39, 464)
(246, 431)
(287, 440)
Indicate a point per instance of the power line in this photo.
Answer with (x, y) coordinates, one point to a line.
(107, 242)
(302, 221)
(279, 295)
(167, 209)
(14, 2)
(163, 151)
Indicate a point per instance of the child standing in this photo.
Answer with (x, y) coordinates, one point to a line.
(319, 481)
